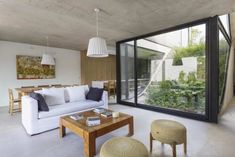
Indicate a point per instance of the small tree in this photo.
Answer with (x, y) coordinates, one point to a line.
(181, 77)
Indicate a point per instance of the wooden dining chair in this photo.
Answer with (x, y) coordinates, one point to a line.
(43, 86)
(111, 87)
(12, 103)
(27, 86)
(76, 84)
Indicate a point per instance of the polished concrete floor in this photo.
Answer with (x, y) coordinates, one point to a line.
(204, 139)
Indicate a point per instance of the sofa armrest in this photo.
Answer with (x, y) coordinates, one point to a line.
(105, 99)
(29, 113)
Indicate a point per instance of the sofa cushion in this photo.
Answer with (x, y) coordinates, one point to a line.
(70, 107)
(94, 94)
(39, 92)
(54, 96)
(42, 105)
(76, 93)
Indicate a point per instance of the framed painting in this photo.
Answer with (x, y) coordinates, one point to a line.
(29, 67)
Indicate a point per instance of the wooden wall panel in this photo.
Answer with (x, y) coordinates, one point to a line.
(97, 69)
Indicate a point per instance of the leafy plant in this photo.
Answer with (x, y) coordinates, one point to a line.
(177, 60)
(191, 79)
(189, 51)
(181, 77)
(165, 84)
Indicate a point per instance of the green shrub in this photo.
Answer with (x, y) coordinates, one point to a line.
(178, 95)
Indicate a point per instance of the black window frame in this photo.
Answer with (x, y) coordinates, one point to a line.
(211, 44)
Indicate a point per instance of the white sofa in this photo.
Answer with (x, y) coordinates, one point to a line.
(35, 121)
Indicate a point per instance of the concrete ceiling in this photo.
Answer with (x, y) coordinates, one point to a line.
(70, 23)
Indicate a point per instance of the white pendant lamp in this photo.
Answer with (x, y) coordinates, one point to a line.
(97, 46)
(46, 58)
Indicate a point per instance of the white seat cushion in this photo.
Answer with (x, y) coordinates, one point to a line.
(53, 96)
(71, 107)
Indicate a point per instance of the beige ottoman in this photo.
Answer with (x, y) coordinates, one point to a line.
(169, 132)
(123, 147)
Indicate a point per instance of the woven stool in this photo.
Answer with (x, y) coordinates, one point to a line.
(123, 147)
(169, 132)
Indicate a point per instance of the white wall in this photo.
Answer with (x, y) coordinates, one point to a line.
(172, 72)
(67, 66)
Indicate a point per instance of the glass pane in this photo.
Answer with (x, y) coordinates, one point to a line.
(223, 61)
(225, 21)
(127, 71)
(171, 70)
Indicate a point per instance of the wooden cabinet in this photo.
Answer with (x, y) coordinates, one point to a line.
(93, 69)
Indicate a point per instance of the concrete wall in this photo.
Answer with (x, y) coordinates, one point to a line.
(228, 95)
(67, 66)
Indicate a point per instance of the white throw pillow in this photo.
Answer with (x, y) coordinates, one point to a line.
(39, 92)
(86, 88)
(76, 93)
(66, 95)
(54, 96)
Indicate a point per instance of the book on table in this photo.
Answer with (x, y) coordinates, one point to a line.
(76, 117)
(92, 121)
(107, 114)
(99, 110)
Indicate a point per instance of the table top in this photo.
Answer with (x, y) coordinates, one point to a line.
(29, 90)
(105, 121)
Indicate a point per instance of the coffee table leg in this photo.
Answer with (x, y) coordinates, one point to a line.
(131, 127)
(89, 144)
(62, 130)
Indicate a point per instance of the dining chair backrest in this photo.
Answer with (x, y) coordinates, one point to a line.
(111, 84)
(27, 86)
(56, 85)
(11, 97)
(41, 86)
(97, 84)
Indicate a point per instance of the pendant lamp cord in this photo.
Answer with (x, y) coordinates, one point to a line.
(97, 23)
(47, 45)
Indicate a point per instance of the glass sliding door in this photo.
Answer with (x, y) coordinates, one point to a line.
(127, 83)
(224, 54)
(224, 49)
(180, 70)
(171, 70)
(149, 58)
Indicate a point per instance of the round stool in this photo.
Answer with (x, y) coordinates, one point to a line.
(169, 132)
(123, 147)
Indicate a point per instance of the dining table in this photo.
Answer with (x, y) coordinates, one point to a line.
(26, 91)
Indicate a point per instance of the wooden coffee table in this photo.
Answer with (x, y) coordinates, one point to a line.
(89, 134)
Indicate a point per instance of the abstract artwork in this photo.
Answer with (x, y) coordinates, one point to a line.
(29, 67)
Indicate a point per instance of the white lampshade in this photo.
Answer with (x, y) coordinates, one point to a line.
(97, 48)
(47, 60)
